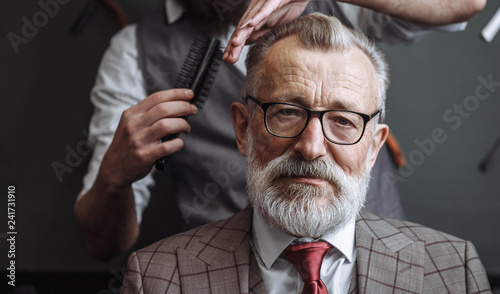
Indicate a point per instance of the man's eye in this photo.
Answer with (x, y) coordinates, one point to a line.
(342, 121)
(287, 112)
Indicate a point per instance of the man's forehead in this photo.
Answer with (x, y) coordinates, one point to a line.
(337, 102)
(292, 73)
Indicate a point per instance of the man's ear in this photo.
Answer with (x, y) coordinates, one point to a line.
(379, 137)
(240, 117)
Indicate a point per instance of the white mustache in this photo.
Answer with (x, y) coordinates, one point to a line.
(289, 166)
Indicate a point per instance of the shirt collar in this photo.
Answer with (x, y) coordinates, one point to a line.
(270, 242)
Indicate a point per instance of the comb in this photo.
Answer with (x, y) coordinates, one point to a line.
(198, 73)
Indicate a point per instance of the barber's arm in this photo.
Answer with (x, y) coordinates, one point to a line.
(428, 12)
(107, 219)
(261, 15)
(124, 131)
(106, 213)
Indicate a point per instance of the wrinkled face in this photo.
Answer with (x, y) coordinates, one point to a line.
(320, 81)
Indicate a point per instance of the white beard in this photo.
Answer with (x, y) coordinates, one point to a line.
(300, 209)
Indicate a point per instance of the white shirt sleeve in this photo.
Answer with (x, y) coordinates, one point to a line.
(389, 29)
(118, 86)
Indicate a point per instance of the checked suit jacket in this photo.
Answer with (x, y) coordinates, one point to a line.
(393, 256)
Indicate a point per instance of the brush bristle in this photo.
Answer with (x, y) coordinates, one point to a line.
(191, 67)
(198, 73)
(209, 79)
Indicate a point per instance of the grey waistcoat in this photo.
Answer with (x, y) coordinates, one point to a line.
(209, 174)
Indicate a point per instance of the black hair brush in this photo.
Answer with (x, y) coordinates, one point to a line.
(198, 74)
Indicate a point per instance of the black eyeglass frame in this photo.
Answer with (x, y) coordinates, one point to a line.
(310, 113)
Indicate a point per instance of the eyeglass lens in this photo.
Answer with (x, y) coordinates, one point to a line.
(339, 126)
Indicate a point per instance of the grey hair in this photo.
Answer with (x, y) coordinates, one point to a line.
(320, 32)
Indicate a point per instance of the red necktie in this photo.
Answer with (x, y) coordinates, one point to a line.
(307, 258)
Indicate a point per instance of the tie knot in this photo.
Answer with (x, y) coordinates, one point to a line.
(307, 258)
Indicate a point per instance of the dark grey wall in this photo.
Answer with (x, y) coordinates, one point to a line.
(444, 188)
(45, 111)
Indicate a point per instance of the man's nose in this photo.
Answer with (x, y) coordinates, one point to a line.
(311, 144)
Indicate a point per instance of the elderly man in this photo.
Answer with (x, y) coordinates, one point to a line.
(135, 104)
(309, 130)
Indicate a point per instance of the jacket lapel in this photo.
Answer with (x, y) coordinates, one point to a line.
(386, 259)
(256, 282)
(353, 285)
(220, 258)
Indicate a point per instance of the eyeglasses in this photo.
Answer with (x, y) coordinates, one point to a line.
(287, 120)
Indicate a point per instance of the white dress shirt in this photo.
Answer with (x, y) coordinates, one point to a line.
(281, 276)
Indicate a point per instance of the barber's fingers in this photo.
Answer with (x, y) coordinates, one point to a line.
(163, 128)
(165, 149)
(160, 129)
(242, 32)
(163, 96)
(142, 146)
(140, 161)
(253, 8)
(260, 16)
(236, 43)
(282, 15)
(171, 109)
(257, 12)
(233, 53)
(265, 10)
(133, 124)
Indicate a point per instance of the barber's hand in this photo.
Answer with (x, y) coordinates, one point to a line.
(135, 146)
(260, 17)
